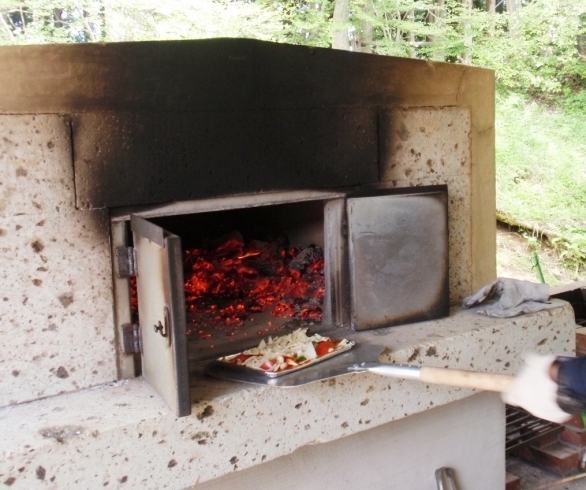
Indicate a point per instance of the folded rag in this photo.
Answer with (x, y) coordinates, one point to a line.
(515, 297)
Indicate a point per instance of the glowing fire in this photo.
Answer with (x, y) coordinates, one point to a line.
(226, 284)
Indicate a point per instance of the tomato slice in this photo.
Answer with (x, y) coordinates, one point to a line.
(325, 347)
(268, 364)
(241, 358)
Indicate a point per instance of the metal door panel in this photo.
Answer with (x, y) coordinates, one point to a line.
(161, 310)
(398, 258)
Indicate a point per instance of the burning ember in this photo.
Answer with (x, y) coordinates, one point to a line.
(227, 283)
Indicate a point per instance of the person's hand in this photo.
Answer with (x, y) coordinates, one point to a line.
(511, 293)
(534, 389)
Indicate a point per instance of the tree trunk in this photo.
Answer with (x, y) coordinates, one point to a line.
(491, 9)
(341, 14)
(364, 44)
(436, 16)
(398, 33)
(467, 26)
(412, 52)
(366, 31)
(512, 7)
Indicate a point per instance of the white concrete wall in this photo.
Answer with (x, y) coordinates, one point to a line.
(467, 436)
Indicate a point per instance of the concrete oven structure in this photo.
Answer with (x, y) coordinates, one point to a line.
(87, 130)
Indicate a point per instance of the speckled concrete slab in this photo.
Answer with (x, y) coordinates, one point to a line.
(60, 302)
(36, 168)
(56, 306)
(423, 142)
(123, 432)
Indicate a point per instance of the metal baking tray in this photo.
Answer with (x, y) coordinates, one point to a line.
(276, 374)
(319, 371)
(220, 365)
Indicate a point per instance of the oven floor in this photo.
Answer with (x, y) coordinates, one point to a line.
(231, 340)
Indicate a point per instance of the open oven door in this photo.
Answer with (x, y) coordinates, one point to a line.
(398, 256)
(161, 311)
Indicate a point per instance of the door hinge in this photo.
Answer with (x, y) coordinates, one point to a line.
(131, 338)
(126, 261)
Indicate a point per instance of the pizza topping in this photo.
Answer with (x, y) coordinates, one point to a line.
(325, 347)
(287, 352)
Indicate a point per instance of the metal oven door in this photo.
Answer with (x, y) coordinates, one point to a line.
(398, 257)
(161, 303)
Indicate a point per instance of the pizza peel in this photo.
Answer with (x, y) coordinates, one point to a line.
(363, 358)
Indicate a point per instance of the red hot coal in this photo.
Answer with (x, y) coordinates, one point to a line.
(230, 281)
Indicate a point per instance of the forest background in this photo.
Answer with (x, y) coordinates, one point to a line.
(537, 49)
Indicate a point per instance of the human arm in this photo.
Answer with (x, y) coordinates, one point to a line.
(570, 375)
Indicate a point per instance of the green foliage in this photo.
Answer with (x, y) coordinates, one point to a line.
(413, 28)
(40, 21)
(68, 21)
(533, 242)
(541, 171)
(307, 23)
(573, 104)
(536, 49)
(572, 249)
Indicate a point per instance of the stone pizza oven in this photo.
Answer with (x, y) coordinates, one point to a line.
(93, 133)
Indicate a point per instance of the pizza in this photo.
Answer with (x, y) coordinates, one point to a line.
(288, 352)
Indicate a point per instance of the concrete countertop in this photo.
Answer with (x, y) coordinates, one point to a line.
(123, 434)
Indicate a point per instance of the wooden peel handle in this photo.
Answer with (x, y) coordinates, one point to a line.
(466, 379)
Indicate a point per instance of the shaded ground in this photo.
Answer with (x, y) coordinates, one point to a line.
(535, 478)
(514, 260)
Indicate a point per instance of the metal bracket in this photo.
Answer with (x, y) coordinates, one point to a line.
(126, 261)
(131, 338)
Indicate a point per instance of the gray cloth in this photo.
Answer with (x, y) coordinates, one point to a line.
(495, 311)
(512, 297)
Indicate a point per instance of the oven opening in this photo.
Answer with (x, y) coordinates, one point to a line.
(250, 273)
(251, 270)
(215, 277)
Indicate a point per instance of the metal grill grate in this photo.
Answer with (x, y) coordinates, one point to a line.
(523, 429)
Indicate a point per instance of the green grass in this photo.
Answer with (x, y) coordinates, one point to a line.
(541, 171)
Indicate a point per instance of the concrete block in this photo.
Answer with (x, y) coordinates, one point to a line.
(124, 432)
(417, 142)
(56, 317)
(36, 168)
(135, 158)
